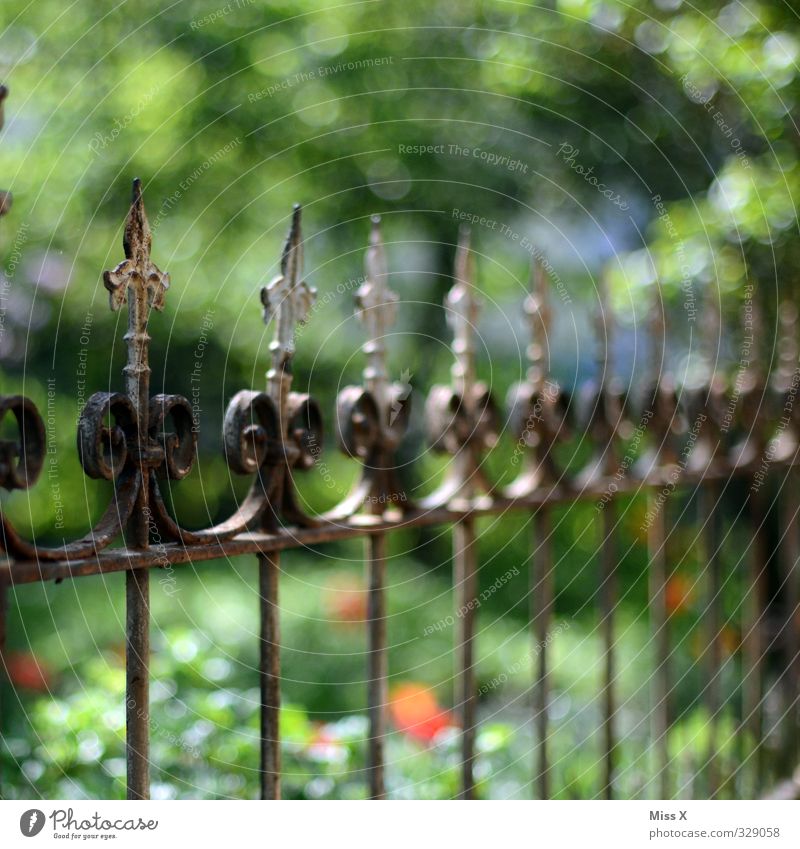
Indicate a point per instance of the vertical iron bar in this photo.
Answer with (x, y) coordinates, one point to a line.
(755, 602)
(3, 632)
(377, 663)
(137, 659)
(657, 542)
(270, 675)
(542, 594)
(608, 597)
(466, 580)
(790, 533)
(709, 518)
(143, 287)
(137, 655)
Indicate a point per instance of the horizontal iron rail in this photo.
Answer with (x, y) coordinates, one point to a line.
(125, 559)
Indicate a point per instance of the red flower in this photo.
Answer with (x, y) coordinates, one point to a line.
(27, 672)
(346, 601)
(416, 712)
(678, 593)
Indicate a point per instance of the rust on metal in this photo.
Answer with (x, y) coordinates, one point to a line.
(462, 420)
(542, 604)
(372, 420)
(377, 669)
(537, 406)
(141, 444)
(270, 675)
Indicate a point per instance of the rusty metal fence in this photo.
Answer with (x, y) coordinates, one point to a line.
(139, 442)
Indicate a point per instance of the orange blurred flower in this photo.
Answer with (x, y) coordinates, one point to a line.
(416, 712)
(345, 601)
(27, 672)
(678, 593)
(729, 640)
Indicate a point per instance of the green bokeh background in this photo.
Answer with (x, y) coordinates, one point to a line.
(229, 114)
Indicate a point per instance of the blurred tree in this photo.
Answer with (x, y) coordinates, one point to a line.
(657, 140)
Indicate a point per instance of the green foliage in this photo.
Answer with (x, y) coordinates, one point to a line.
(684, 113)
(68, 742)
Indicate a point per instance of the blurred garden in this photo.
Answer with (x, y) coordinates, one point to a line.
(651, 142)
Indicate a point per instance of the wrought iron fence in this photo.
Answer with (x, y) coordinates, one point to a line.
(139, 442)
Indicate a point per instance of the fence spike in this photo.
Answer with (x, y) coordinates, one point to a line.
(288, 300)
(376, 308)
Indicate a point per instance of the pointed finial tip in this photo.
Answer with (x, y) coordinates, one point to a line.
(375, 229)
(294, 229)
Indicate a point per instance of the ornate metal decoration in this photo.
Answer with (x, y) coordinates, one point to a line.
(786, 386)
(537, 407)
(274, 433)
(462, 420)
(751, 388)
(602, 401)
(21, 459)
(372, 420)
(142, 444)
(659, 412)
(706, 403)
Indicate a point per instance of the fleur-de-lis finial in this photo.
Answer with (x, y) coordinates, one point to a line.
(537, 308)
(139, 283)
(463, 308)
(288, 300)
(136, 271)
(376, 307)
(462, 418)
